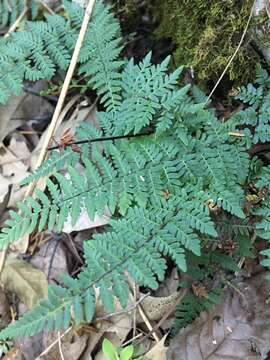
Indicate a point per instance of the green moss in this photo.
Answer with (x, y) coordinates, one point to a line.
(206, 33)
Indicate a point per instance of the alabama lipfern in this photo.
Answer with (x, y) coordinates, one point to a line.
(10, 10)
(164, 184)
(45, 47)
(256, 116)
(164, 232)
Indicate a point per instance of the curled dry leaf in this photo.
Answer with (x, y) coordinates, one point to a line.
(238, 328)
(156, 307)
(21, 278)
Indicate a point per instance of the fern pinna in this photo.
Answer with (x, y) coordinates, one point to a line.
(160, 188)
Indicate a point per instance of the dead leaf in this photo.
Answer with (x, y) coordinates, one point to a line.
(5, 190)
(4, 310)
(14, 354)
(200, 291)
(158, 351)
(156, 307)
(51, 260)
(238, 328)
(84, 222)
(20, 150)
(6, 112)
(72, 346)
(94, 339)
(267, 7)
(21, 278)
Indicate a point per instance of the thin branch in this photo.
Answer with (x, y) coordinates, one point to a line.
(106, 138)
(116, 313)
(60, 346)
(53, 343)
(17, 22)
(233, 56)
(55, 119)
(46, 7)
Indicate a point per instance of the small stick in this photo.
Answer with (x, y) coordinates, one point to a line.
(55, 119)
(233, 56)
(46, 7)
(53, 343)
(60, 346)
(17, 22)
(133, 307)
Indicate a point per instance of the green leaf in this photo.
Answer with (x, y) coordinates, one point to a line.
(109, 350)
(127, 352)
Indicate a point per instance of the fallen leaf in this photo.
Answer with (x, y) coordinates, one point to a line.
(200, 291)
(14, 354)
(5, 189)
(158, 352)
(51, 260)
(238, 328)
(20, 150)
(84, 222)
(6, 112)
(156, 307)
(72, 346)
(4, 310)
(21, 278)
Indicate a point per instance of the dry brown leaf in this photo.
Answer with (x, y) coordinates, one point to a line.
(238, 328)
(158, 352)
(6, 112)
(21, 278)
(4, 310)
(200, 291)
(51, 260)
(4, 192)
(72, 346)
(156, 307)
(94, 339)
(14, 354)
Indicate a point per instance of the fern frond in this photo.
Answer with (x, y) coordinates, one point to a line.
(132, 246)
(43, 47)
(190, 308)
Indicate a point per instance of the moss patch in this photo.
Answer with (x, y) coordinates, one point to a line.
(206, 34)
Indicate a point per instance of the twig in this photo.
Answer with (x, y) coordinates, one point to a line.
(60, 346)
(131, 340)
(46, 7)
(233, 56)
(165, 316)
(53, 343)
(17, 22)
(105, 138)
(131, 308)
(134, 312)
(55, 119)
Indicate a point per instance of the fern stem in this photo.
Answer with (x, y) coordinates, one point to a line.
(106, 138)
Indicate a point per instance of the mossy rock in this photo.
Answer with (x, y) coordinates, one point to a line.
(205, 34)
